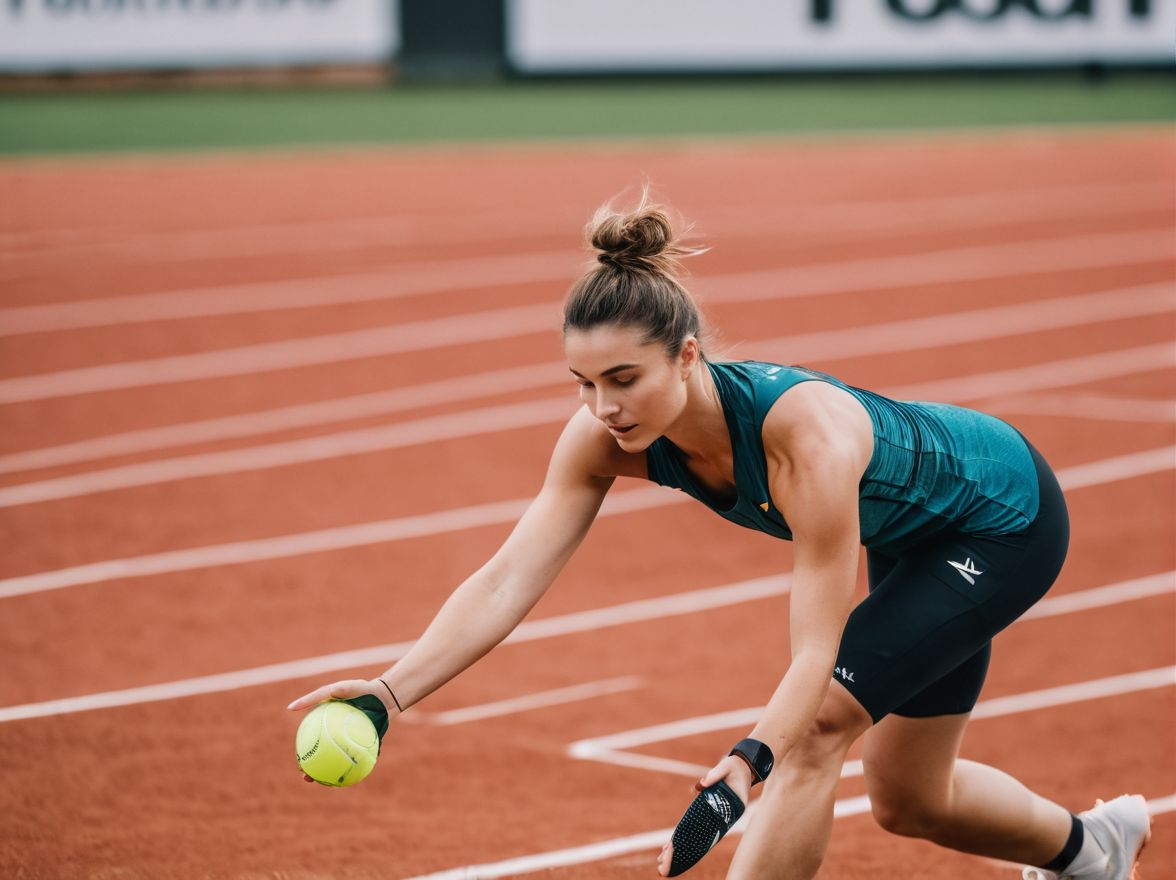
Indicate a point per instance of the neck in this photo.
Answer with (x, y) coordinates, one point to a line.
(701, 430)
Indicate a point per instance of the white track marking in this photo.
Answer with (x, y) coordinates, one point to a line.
(853, 806)
(878, 216)
(650, 841)
(514, 705)
(611, 749)
(941, 267)
(1137, 464)
(971, 211)
(1055, 374)
(457, 519)
(691, 602)
(1102, 407)
(327, 446)
(528, 631)
(510, 416)
(823, 346)
(270, 356)
(843, 277)
(323, 540)
(394, 282)
(1162, 805)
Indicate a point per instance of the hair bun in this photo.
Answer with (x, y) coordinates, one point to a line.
(641, 240)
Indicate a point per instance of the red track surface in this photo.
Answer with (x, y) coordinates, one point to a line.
(205, 786)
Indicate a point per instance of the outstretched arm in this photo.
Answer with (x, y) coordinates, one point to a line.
(484, 609)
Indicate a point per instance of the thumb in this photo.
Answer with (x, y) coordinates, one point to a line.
(711, 776)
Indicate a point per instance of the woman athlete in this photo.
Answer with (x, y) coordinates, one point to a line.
(964, 526)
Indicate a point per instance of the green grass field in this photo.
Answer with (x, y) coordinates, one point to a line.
(174, 119)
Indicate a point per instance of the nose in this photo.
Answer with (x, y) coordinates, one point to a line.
(605, 407)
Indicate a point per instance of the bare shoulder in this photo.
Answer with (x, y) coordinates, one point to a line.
(587, 449)
(814, 420)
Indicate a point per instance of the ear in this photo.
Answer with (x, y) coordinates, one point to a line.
(689, 356)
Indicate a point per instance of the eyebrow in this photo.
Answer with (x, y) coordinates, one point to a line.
(618, 368)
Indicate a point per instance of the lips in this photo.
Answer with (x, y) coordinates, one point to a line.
(621, 429)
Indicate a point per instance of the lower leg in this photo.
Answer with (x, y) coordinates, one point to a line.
(790, 831)
(919, 787)
(990, 813)
(794, 818)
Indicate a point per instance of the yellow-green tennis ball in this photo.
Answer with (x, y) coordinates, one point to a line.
(337, 744)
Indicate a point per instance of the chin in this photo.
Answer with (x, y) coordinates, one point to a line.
(634, 444)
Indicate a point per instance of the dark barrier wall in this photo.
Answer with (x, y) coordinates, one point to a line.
(452, 39)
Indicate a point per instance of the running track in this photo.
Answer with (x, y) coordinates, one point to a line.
(259, 414)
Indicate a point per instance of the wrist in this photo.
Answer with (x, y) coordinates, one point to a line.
(387, 696)
(757, 756)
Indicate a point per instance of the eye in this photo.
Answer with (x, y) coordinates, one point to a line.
(627, 381)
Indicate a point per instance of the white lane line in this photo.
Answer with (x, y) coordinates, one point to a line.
(323, 540)
(823, 346)
(456, 519)
(1101, 407)
(848, 276)
(394, 282)
(1032, 701)
(941, 267)
(1137, 464)
(1162, 805)
(606, 748)
(528, 631)
(582, 621)
(509, 417)
(487, 420)
(970, 211)
(543, 699)
(269, 356)
(876, 216)
(611, 749)
(1054, 374)
(651, 841)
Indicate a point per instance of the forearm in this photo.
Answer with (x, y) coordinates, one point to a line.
(477, 616)
(793, 707)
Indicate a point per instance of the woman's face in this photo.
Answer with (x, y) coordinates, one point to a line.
(634, 387)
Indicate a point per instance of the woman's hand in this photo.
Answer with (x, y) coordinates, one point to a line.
(345, 690)
(734, 771)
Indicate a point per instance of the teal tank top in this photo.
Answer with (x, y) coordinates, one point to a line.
(934, 465)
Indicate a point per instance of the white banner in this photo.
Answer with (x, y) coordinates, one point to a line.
(553, 36)
(68, 35)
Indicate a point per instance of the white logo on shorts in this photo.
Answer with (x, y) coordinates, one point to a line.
(966, 570)
(845, 674)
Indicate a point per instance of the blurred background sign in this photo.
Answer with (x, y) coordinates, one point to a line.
(100, 35)
(572, 36)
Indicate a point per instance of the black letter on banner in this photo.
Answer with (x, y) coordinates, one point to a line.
(821, 11)
(1141, 8)
(899, 8)
(996, 9)
(1060, 10)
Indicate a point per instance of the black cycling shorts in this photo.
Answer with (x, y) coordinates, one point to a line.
(919, 644)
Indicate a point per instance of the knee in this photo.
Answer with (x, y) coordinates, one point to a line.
(827, 739)
(906, 814)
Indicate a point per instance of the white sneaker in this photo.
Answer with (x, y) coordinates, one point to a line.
(1121, 828)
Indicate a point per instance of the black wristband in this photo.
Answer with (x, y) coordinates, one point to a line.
(758, 757)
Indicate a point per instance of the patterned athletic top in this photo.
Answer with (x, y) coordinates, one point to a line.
(934, 465)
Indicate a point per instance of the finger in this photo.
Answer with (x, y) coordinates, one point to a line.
(339, 690)
(307, 778)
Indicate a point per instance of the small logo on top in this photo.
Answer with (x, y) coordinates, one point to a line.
(966, 570)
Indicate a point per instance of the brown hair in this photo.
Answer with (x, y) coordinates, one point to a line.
(635, 279)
